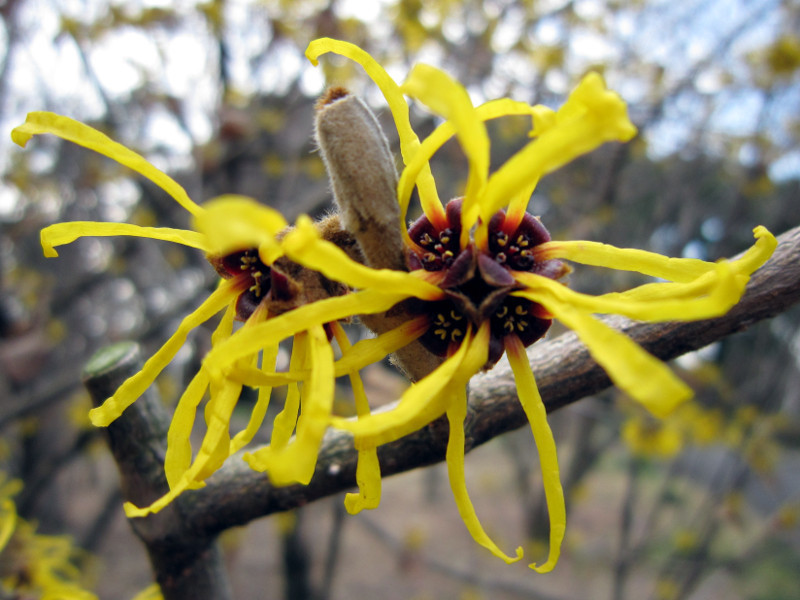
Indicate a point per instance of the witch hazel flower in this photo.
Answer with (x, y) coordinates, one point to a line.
(246, 243)
(498, 271)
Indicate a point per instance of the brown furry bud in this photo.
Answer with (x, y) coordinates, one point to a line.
(363, 175)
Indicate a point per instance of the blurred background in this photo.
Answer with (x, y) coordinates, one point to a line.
(219, 95)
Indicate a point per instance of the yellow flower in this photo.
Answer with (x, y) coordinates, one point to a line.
(260, 283)
(647, 437)
(31, 562)
(481, 280)
(498, 270)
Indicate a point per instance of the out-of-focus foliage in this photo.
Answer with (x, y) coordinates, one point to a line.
(219, 95)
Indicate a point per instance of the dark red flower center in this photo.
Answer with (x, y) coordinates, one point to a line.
(477, 282)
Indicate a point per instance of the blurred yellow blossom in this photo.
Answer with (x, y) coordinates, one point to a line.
(651, 438)
(31, 563)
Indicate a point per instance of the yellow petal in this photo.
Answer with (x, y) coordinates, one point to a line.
(73, 131)
(252, 339)
(285, 421)
(425, 400)
(231, 223)
(178, 457)
(591, 116)
(448, 98)
(758, 253)
(134, 386)
(303, 245)
(368, 478)
(186, 482)
(372, 350)
(639, 374)
(597, 254)
(66, 233)
(535, 410)
(253, 377)
(8, 521)
(368, 469)
(362, 354)
(656, 265)
(244, 437)
(296, 462)
(489, 110)
(217, 440)
(711, 295)
(409, 142)
(456, 413)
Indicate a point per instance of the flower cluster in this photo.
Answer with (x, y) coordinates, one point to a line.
(464, 284)
(32, 563)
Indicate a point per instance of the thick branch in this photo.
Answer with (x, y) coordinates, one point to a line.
(564, 371)
(187, 565)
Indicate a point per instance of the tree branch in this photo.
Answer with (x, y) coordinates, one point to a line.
(564, 371)
(187, 564)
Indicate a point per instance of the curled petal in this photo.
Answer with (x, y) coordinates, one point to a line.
(368, 478)
(212, 453)
(8, 521)
(456, 413)
(354, 358)
(216, 443)
(285, 422)
(639, 374)
(66, 233)
(448, 98)
(710, 295)
(231, 223)
(262, 335)
(178, 457)
(135, 386)
(409, 142)
(424, 401)
(534, 408)
(297, 460)
(368, 469)
(372, 350)
(73, 131)
(304, 245)
(591, 116)
(656, 265)
(244, 437)
(758, 253)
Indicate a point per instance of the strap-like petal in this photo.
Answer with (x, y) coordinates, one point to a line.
(409, 142)
(448, 98)
(73, 131)
(710, 295)
(637, 373)
(231, 223)
(295, 461)
(424, 401)
(304, 245)
(591, 116)
(60, 234)
(535, 410)
(368, 469)
(240, 440)
(650, 263)
(134, 386)
(456, 413)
